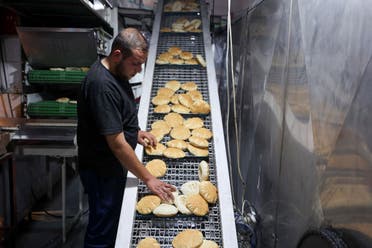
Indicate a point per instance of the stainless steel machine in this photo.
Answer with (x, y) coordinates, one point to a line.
(219, 224)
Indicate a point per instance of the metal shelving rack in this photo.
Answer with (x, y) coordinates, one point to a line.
(219, 224)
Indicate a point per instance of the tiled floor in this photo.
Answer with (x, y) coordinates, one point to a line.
(44, 230)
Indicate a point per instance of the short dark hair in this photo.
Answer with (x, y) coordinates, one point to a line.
(129, 39)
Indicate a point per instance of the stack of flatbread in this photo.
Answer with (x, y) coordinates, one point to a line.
(182, 25)
(176, 56)
(194, 200)
(189, 134)
(181, 6)
(189, 101)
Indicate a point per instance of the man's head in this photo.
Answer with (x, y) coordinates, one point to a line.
(128, 52)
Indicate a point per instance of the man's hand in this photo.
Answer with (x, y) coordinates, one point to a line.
(161, 189)
(146, 138)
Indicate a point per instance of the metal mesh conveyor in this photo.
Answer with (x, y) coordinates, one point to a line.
(218, 225)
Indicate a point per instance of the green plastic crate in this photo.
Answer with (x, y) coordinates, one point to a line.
(52, 109)
(46, 76)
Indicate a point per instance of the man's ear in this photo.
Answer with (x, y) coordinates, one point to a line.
(117, 55)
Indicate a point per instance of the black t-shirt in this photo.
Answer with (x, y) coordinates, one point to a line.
(105, 106)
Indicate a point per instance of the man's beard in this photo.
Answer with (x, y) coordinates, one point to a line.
(120, 73)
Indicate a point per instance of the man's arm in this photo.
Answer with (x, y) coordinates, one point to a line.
(127, 157)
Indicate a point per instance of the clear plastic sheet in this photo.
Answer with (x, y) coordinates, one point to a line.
(301, 152)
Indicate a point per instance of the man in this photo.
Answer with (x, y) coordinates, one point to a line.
(107, 135)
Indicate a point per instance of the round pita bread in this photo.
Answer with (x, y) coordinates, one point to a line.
(189, 86)
(202, 133)
(147, 204)
(160, 100)
(200, 107)
(197, 205)
(174, 119)
(209, 244)
(156, 167)
(185, 100)
(188, 238)
(195, 95)
(178, 108)
(198, 152)
(193, 123)
(208, 191)
(157, 151)
(165, 92)
(198, 142)
(186, 55)
(173, 153)
(179, 144)
(180, 132)
(161, 124)
(162, 109)
(173, 85)
(148, 242)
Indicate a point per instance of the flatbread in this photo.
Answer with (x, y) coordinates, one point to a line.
(178, 108)
(147, 204)
(193, 123)
(174, 50)
(176, 61)
(190, 188)
(198, 142)
(174, 99)
(191, 61)
(202, 133)
(156, 167)
(148, 242)
(208, 191)
(185, 100)
(195, 95)
(161, 62)
(198, 152)
(180, 132)
(162, 109)
(179, 144)
(165, 92)
(188, 238)
(161, 124)
(209, 244)
(165, 210)
(189, 86)
(201, 60)
(174, 119)
(160, 100)
(203, 171)
(158, 133)
(174, 153)
(186, 55)
(165, 56)
(63, 99)
(197, 205)
(200, 107)
(180, 202)
(173, 85)
(171, 201)
(157, 151)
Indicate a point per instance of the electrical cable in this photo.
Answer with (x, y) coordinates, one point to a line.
(228, 26)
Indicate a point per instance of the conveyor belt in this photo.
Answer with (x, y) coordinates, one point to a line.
(218, 225)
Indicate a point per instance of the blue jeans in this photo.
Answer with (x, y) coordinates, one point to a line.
(105, 195)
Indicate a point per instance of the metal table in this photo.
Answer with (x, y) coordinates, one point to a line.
(51, 141)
